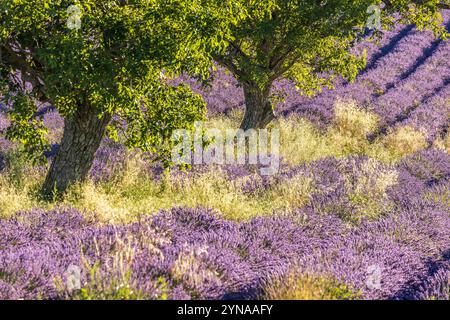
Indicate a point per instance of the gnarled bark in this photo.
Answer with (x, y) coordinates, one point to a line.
(258, 109)
(83, 133)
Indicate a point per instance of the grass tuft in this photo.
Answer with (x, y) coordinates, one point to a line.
(305, 286)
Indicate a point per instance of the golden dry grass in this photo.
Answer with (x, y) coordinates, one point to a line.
(135, 192)
(305, 286)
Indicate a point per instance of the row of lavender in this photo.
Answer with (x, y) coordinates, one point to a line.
(406, 82)
(194, 254)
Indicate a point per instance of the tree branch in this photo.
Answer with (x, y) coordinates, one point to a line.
(18, 59)
(227, 63)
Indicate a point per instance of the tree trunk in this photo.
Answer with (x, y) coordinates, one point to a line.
(258, 109)
(83, 133)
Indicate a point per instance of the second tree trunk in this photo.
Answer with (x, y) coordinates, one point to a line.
(258, 109)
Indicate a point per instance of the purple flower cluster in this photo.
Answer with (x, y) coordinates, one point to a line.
(109, 160)
(385, 61)
(221, 95)
(405, 82)
(201, 256)
(420, 83)
(432, 115)
(187, 253)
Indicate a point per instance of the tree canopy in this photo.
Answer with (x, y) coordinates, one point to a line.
(104, 64)
(95, 60)
(309, 42)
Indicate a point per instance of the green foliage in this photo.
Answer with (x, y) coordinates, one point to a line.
(112, 64)
(309, 41)
(114, 61)
(159, 109)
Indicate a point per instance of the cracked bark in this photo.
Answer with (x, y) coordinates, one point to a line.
(258, 109)
(82, 136)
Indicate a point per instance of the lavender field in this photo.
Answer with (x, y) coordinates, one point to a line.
(360, 207)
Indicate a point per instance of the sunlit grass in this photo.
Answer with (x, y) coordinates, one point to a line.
(302, 142)
(303, 286)
(136, 192)
(129, 198)
(405, 140)
(443, 143)
(19, 185)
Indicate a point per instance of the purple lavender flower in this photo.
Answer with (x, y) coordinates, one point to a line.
(202, 256)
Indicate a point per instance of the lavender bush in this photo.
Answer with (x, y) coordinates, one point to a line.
(371, 229)
(190, 253)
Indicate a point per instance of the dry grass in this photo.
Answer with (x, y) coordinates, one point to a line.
(443, 143)
(297, 286)
(135, 192)
(367, 189)
(347, 135)
(404, 140)
(126, 200)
